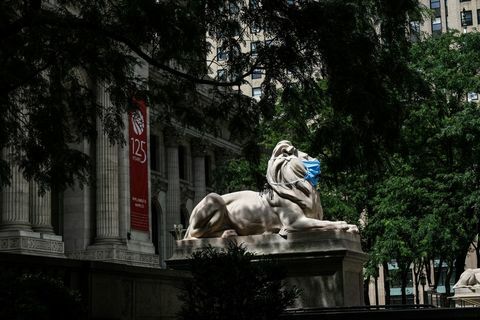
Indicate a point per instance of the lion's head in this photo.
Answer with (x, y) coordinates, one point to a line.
(286, 176)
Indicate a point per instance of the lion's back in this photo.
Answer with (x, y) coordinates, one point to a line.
(249, 213)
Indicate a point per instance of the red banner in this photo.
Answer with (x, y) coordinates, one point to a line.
(137, 131)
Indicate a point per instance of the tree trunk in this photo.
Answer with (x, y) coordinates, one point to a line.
(417, 283)
(436, 274)
(386, 276)
(404, 275)
(447, 284)
(366, 285)
(460, 264)
(447, 280)
(376, 291)
(428, 271)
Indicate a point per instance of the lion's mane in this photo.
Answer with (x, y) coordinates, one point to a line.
(285, 175)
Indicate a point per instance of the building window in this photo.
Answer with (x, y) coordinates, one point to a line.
(414, 30)
(478, 16)
(472, 96)
(221, 54)
(221, 75)
(208, 171)
(254, 48)
(154, 165)
(256, 92)
(434, 4)
(437, 20)
(57, 201)
(466, 18)
(436, 26)
(184, 215)
(254, 28)
(182, 163)
(233, 7)
(256, 74)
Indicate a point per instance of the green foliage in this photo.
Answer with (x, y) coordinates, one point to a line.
(238, 174)
(53, 56)
(234, 284)
(421, 196)
(400, 202)
(443, 136)
(426, 206)
(38, 296)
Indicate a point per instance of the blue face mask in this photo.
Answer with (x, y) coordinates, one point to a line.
(313, 171)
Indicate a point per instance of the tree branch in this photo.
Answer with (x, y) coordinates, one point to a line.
(32, 8)
(73, 21)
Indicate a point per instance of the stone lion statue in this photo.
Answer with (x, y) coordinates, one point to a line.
(470, 278)
(291, 202)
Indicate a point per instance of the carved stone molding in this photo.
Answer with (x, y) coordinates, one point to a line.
(159, 183)
(117, 254)
(34, 244)
(171, 137)
(199, 147)
(186, 191)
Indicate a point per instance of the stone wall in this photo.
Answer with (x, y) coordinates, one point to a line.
(110, 290)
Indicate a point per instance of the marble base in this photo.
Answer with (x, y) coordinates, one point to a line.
(325, 265)
(467, 297)
(33, 243)
(117, 253)
(140, 246)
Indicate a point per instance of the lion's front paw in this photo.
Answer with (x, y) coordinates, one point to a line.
(229, 233)
(283, 232)
(352, 228)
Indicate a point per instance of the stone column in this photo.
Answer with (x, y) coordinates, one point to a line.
(40, 210)
(161, 152)
(124, 183)
(15, 227)
(14, 200)
(106, 182)
(173, 192)
(199, 179)
(188, 163)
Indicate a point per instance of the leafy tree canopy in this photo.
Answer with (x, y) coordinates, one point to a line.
(55, 55)
(430, 192)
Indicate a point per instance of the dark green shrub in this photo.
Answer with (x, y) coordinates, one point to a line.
(39, 297)
(234, 284)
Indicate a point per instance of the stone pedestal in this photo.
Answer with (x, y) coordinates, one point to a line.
(467, 297)
(325, 265)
